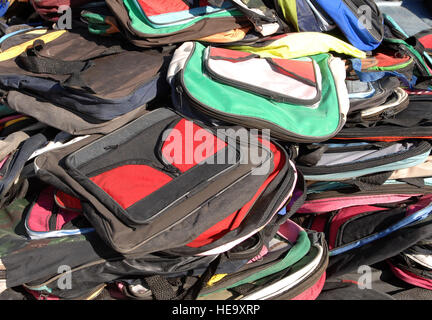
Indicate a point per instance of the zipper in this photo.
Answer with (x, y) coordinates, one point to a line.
(323, 13)
(387, 113)
(349, 147)
(414, 223)
(349, 191)
(172, 172)
(355, 10)
(51, 280)
(420, 149)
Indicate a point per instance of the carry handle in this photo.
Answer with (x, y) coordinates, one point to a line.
(31, 60)
(371, 181)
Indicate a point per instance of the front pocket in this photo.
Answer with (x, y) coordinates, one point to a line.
(374, 159)
(374, 17)
(128, 184)
(281, 80)
(180, 13)
(367, 222)
(148, 168)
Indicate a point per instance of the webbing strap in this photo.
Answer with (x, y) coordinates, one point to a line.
(160, 287)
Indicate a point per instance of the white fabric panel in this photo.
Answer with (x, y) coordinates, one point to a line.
(424, 260)
(401, 95)
(330, 159)
(59, 142)
(179, 60)
(259, 73)
(337, 67)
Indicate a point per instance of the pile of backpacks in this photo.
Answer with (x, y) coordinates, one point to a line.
(214, 149)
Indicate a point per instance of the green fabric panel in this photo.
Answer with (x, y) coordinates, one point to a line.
(294, 255)
(5, 110)
(392, 68)
(289, 11)
(98, 29)
(140, 22)
(300, 249)
(322, 121)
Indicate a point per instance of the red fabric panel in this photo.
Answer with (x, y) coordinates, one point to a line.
(2, 162)
(421, 204)
(231, 55)
(313, 292)
(188, 144)
(65, 216)
(41, 211)
(156, 7)
(319, 222)
(426, 41)
(66, 201)
(234, 220)
(289, 231)
(326, 205)
(411, 278)
(130, 183)
(385, 60)
(304, 69)
(343, 216)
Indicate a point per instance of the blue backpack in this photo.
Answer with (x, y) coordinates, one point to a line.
(360, 20)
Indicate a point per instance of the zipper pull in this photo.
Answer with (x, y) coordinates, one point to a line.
(179, 90)
(172, 170)
(43, 296)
